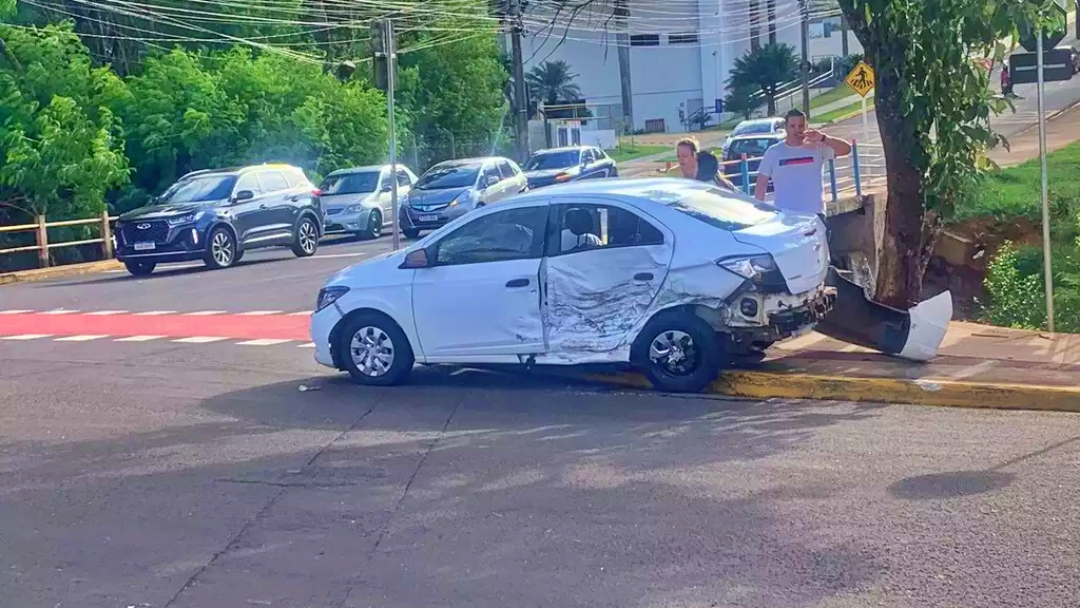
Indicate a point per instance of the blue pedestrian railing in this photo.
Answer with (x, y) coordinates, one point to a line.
(856, 173)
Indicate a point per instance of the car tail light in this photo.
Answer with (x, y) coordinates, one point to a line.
(316, 192)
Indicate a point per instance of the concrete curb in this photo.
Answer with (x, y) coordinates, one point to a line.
(59, 272)
(946, 393)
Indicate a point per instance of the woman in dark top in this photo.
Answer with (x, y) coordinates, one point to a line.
(708, 170)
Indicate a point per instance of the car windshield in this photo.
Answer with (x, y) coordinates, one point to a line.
(724, 210)
(753, 128)
(552, 160)
(199, 189)
(351, 183)
(752, 148)
(443, 177)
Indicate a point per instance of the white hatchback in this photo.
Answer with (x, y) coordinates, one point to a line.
(672, 276)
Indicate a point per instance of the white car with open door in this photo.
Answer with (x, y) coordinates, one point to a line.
(672, 276)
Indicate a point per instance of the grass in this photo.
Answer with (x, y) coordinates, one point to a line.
(842, 113)
(837, 93)
(1013, 192)
(627, 152)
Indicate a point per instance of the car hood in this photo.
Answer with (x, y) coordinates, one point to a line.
(548, 173)
(162, 211)
(334, 201)
(798, 245)
(378, 271)
(432, 198)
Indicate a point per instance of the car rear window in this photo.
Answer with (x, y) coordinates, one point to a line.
(752, 148)
(723, 209)
(753, 128)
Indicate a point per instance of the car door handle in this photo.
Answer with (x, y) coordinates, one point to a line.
(262, 206)
(643, 276)
(517, 283)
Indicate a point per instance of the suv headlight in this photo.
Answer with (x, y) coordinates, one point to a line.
(753, 268)
(329, 295)
(180, 220)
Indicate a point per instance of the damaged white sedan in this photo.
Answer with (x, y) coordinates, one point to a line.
(672, 276)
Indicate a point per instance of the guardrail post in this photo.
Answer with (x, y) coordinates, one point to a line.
(42, 242)
(106, 236)
(832, 179)
(745, 167)
(855, 166)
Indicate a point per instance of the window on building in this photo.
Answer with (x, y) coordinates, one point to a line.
(683, 39)
(645, 40)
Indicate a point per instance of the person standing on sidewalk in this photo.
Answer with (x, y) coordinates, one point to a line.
(1006, 81)
(689, 155)
(795, 166)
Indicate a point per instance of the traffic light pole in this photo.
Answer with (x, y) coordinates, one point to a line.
(1047, 271)
(390, 51)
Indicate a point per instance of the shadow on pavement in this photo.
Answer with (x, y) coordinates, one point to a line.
(957, 484)
(162, 272)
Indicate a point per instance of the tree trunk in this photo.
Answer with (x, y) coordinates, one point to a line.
(622, 39)
(770, 100)
(772, 20)
(901, 270)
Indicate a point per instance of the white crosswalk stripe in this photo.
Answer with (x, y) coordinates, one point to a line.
(81, 338)
(259, 313)
(306, 313)
(199, 339)
(308, 345)
(60, 311)
(14, 312)
(263, 342)
(106, 313)
(25, 337)
(205, 313)
(138, 339)
(155, 313)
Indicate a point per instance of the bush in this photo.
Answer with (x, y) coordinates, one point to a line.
(1016, 287)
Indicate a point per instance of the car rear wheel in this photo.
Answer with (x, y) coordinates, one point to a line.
(220, 249)
(375, 351)
(306, 239)
(140, 269)
(374, 227)
(679, 352)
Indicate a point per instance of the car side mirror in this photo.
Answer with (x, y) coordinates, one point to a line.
(418, 258)
(386, 188)
(490, 181)
(243, 195)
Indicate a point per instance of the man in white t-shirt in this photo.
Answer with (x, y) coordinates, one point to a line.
(794, 166)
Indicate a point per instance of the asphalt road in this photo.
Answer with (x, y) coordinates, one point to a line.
(198, 474)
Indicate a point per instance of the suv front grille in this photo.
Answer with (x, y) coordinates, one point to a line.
(138, 232)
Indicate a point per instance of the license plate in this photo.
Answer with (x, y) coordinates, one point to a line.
(144, 246)
(428, 218)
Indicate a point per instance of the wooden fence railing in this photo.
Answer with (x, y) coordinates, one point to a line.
(42, 245)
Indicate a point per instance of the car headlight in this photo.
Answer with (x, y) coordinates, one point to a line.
(353, 209)
(329, 295)
(753, 268)
(465, 198)
(181, 219)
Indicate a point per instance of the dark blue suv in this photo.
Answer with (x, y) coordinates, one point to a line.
(215, 216)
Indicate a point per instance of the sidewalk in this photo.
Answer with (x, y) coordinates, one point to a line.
(1062, 129)
(979, 366)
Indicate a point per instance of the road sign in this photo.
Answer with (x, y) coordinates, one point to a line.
(1052, 34)
(861, 79)
(719, 106)
(1057, 65)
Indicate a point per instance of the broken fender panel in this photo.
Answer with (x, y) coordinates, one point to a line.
(914, 334)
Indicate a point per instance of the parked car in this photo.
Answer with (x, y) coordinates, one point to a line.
(560, 165)
(754, 147)
(453, 188)
(217, 215)
(358, 201)
(668, 275)
(755, 126)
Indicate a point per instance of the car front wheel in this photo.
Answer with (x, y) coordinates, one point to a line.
(306, 239)
(410, 233)
(679, 352)
(374, 227)
(140, 269)
(220, 249)
(375, 351)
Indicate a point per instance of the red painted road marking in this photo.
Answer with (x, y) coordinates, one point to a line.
(280, 327)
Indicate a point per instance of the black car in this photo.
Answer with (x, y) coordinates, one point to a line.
(215, 216)
(753, 146)
(559, 165)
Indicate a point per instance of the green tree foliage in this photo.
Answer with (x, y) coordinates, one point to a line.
(764, 70)
(933, 110)
(60, 144)
(552, 82)
(740, 100)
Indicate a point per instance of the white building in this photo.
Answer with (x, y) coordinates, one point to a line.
(681, 51)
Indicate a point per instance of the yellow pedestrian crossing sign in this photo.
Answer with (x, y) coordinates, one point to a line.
(861, 79)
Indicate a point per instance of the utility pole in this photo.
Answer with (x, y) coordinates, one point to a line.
(772, 20)
(844, 50)
(1048, 275)
(621, 13)
(805, 11)
(521, 102)
(386, 55)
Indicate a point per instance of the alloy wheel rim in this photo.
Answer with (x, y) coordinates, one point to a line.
(221, 249)
(376, 225)
(372, 350)
(674, 352)
(307, 237)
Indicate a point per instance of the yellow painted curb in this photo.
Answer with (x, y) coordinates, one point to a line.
(58, 272)
(948, 393)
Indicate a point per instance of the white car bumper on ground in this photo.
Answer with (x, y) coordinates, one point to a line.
(322, 323)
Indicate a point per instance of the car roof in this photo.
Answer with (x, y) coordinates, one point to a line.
(648, 189)
(562, 149)
(366, 169)
(773, 135)
(760, 121)
(238, 170)
(468, 162)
